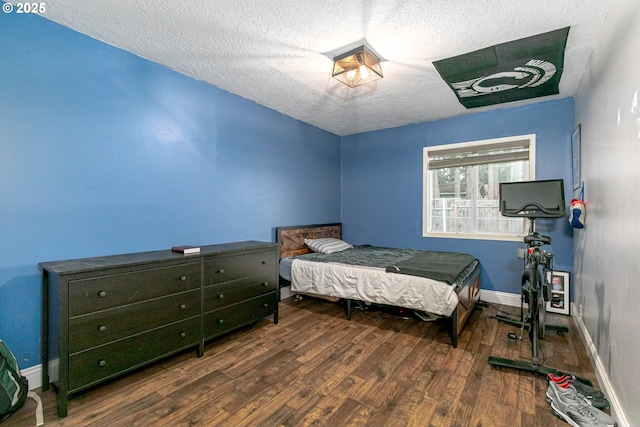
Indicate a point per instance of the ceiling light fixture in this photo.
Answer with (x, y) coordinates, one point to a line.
(357, 67)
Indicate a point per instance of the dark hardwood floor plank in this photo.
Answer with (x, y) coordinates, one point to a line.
(348, 359)
(324, 409)
(423, 412)
(347, 410)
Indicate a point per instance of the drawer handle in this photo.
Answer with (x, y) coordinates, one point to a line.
(183, 306)
(102, 363)
(265, 305)
(265, 262)
(220, 271)
(102, 294)
(183, 334)
(221, 296)
(220, 321)
(183, 278)
(102, 328)
(265, 283)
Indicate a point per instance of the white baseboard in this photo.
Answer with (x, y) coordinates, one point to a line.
(286, 292)
(497, 297)
(617, 412)
(34, 376)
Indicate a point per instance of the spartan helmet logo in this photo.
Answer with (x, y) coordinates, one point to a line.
(534, 73)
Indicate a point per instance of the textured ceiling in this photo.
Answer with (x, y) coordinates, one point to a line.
(279, 53)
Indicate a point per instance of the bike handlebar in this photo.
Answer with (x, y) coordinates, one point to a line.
(533, 210)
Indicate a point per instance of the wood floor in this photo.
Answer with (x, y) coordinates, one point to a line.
(316, 368)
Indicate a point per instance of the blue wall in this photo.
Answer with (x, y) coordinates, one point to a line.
(382, 184)
(102, 152)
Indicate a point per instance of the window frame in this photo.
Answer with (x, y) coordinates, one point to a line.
(461, 146)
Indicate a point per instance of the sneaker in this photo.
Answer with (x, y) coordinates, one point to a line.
(574, 408)
(581, 416)
(568, 395)
(596, 397)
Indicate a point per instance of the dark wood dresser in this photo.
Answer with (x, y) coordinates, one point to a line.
(105, 316)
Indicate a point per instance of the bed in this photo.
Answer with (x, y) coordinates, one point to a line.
(448, 288)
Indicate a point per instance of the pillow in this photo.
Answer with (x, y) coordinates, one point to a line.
(327, 245)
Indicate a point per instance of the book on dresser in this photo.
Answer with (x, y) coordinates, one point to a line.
(186, 249)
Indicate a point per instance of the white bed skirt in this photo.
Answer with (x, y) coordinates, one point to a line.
(373, 285)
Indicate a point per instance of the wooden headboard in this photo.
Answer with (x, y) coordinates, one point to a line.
(291, 238)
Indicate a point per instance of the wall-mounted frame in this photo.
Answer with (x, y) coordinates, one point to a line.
(575, 156)
(559, 282)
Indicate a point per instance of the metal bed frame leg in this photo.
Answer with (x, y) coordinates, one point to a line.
(348, 309)
(454, 328)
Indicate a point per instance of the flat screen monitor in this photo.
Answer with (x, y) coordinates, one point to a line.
(533, 199)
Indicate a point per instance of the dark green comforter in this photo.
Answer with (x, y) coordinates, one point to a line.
(441, 266)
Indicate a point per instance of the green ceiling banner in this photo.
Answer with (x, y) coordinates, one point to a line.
(512, 71)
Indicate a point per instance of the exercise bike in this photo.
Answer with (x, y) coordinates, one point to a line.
(533, 200)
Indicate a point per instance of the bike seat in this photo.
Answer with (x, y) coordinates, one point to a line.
(535, 237)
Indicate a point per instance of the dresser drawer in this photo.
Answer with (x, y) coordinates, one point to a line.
(227, 293)
(104, 292)
(224, 269)
(225, 319)
(104, 326)
(100, 363)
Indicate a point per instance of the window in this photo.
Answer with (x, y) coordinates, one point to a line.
(461, 187)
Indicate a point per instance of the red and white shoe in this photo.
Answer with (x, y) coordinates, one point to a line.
(595, 397)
